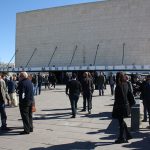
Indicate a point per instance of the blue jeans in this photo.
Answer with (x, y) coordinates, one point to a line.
(73, 102)
(112, 89)
(3, 115)
(87, 98)
(101, 89)
(35, 89)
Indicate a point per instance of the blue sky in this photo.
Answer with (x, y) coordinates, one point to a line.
(8, 10)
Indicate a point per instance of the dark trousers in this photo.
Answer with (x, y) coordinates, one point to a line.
(3, 115)
(112, 89)
(101, 89)
(73, 102)
(26, 114)
(35, 89)
(148, 110)
(53, 84)
(87, 97)
(145, 110)
(124, 133)
(39, 87)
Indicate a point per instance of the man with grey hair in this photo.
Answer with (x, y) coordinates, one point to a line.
(25, 88)
(3, 93)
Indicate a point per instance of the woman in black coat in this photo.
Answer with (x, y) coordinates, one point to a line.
(121, 107)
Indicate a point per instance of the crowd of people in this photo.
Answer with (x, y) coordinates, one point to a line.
(126, 89)
(123, 87)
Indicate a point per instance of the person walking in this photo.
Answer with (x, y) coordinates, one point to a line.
(112, 81)
(12, 86)
(35, 84)
(121, 108)
(100, 82)
(53, 80)
(25, 88)
(73, 90)
(142, 87)
(40, 80)
(87, 90)
(3, 93)
(146, 97)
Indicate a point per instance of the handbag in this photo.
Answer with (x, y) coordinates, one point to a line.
(33, 107)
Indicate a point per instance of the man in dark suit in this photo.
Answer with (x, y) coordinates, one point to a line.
(25, 102)
(74, 88)
(88, 89)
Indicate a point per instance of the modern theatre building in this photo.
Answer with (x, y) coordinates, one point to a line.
(105, 33)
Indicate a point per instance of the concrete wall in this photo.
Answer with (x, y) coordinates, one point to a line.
(109, 24)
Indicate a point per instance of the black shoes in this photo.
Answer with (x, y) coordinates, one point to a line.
(5, 129)
(73, 116)
(83, 110)
(23, 132)
(129, 137)
(144, 120)
(31, 130)
(89, 111)
(121, 140)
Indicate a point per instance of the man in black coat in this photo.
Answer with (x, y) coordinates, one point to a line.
(74, 88)
(25, 102)
(121, 107)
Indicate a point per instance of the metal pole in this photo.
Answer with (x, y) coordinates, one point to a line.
(96, 54)
(52, 55)
(73, 54)
(12, 58)
(123, 53)
(83, 57)
(31, 57)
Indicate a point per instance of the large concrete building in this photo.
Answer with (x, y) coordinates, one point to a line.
(111, 32)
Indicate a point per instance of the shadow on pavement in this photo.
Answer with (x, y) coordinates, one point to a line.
(51, 116)
(74, 146)
(9, 133)
(59, 91)
(102, 116)
(111, 130)
(109, 105)
(142, 144)
(61, 109)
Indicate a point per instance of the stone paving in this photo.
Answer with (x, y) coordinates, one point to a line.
(55, 130)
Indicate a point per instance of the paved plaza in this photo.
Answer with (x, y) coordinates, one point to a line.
(55, 130)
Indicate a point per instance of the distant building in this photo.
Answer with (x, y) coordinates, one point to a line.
(111, 32)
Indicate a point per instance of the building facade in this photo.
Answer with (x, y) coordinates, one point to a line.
(111, 32)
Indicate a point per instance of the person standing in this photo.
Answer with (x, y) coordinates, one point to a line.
(121, 108)
(74, 89)
(25, 88)
(35, 84)
(112, 81)
(142, 87)
(146, 97)
(100, 82)
(12, 86)
(40, 80)
(3, 93)
(87, 89)
(53, 80)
